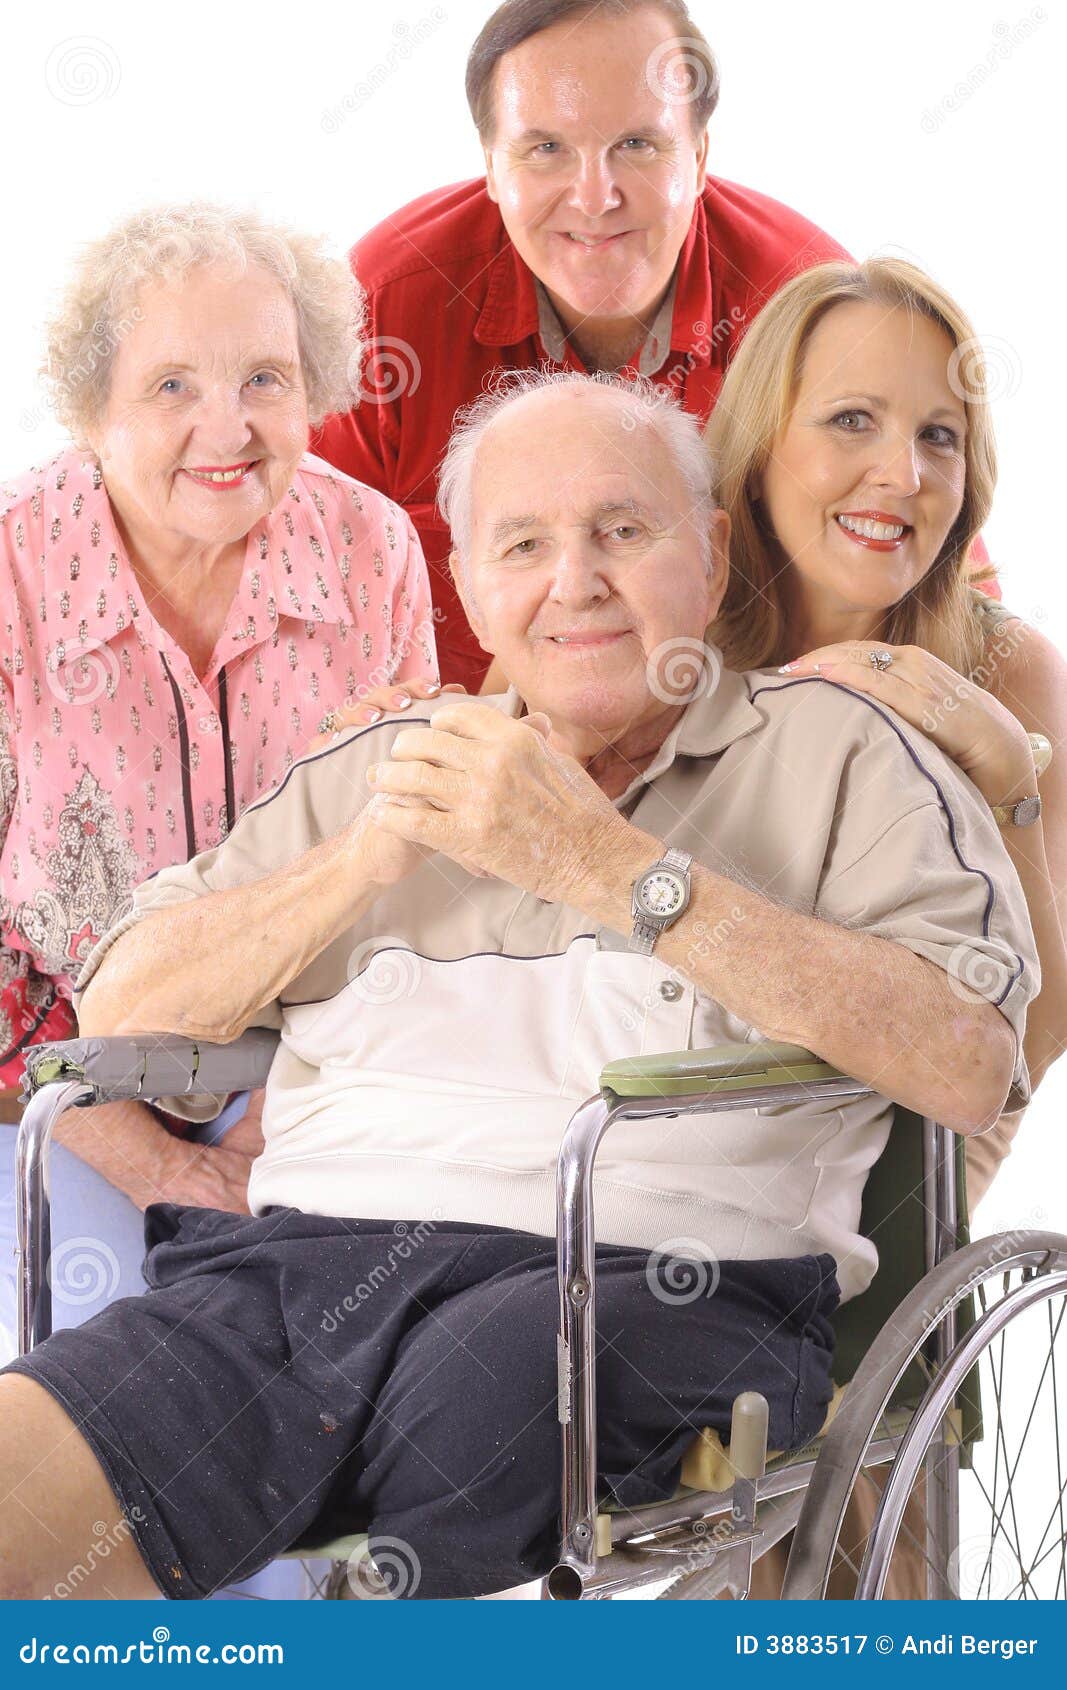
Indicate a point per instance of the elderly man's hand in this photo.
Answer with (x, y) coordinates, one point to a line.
(491, 793)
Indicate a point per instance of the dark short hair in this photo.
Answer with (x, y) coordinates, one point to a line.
(517, 20)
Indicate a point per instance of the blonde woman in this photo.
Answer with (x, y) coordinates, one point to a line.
(854, 454)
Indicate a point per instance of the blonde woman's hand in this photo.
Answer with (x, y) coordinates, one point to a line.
(365, 711)
(971, 726)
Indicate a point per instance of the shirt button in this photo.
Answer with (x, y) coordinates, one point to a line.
(671, 990)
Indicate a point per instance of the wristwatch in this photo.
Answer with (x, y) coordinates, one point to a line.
(660, 896)
(1026, 811)
(1022, 814)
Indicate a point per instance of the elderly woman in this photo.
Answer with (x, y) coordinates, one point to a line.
(854, 454)
(187, 596)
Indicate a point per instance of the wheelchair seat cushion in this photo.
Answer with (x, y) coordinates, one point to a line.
(292, 1378)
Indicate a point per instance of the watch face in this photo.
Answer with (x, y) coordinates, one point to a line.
(1026, 811)
(661, 893)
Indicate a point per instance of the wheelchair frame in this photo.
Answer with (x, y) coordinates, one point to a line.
(609, 1554)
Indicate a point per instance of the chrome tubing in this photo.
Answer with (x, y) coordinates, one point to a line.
(33, 1206)
(575, 1256)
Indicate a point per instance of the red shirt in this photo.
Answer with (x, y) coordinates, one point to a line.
(450, 302)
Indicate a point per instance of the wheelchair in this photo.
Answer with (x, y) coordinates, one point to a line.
(950, 1377)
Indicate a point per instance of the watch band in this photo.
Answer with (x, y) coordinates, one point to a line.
(645, 931)
(1024, 813)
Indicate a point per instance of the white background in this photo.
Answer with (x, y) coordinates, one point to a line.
(932, 128)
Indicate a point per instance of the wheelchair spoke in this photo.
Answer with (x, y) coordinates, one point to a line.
(997, 1530)
(1042, 1553)
(1062, 1579)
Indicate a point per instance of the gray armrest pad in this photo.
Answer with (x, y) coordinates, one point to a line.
(154, 1065)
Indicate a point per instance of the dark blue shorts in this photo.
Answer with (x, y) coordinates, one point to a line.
(294, 1377)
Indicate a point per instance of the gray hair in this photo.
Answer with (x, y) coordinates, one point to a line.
(99, 306)
(648, 406)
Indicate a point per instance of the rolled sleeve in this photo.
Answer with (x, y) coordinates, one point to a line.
(937, 879)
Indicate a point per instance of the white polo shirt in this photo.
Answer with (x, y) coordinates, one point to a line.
(432, 1055)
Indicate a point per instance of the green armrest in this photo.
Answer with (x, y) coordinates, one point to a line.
(681, 1073)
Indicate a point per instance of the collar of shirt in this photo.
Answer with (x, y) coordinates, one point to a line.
(721, 713)
(654, 349)
(105, 595)
(511, 314)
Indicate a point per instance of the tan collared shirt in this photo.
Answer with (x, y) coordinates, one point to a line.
(653, 353)
(432, 1056)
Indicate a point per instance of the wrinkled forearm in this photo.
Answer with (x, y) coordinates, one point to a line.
(205, 968)
(124, 1143)
(1046, 1021)
(870, 1007)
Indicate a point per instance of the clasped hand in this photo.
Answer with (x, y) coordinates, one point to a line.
(494, 795)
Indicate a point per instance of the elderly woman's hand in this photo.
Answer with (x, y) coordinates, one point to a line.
(494, 795)
(963, 719)
(365, 711)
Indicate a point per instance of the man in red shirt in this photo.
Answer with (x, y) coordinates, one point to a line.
(596, 240)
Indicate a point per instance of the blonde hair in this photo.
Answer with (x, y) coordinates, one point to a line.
(753, 407)
(100, 304)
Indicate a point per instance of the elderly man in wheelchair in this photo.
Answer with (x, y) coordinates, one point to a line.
(455, 921)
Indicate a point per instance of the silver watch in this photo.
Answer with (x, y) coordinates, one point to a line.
(660, 896)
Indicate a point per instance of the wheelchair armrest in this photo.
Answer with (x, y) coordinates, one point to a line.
(152, 1065)
(723, 1068)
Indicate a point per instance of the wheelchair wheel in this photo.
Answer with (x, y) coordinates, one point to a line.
(953, 1501)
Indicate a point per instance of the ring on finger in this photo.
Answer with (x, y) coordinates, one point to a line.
(881, 660)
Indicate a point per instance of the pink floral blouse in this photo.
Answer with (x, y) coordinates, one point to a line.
(115, 760)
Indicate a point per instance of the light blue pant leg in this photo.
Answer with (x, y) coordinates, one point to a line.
(97, 1252)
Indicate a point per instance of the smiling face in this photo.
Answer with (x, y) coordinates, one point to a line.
(595, 170)
(867, 477)
(206, 417)
(584, 562)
